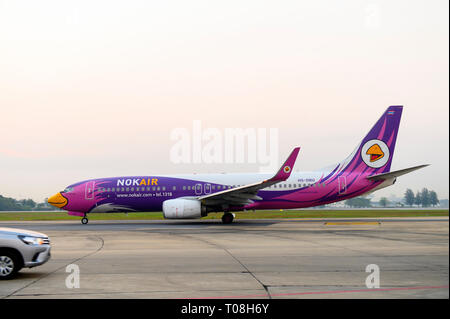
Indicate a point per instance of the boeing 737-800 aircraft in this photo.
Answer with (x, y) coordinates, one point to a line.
(367, 169)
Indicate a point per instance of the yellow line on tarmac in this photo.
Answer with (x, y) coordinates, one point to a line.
(353, 223)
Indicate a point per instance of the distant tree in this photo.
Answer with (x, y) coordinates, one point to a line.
(26, 204)
(425, 197)
(30, 203)
(11, 204)
(409, 197)
(399, 204)
(384, 201)
(358, 202)
(7, 203)
(433, 198)
(418, 199)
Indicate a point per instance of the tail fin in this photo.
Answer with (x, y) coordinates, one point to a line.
(375, 152)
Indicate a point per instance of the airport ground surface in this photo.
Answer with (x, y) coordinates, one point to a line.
(284, 258)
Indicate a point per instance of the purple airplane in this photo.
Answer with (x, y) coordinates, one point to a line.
(367, 169)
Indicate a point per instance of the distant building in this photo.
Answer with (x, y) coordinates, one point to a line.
(337, 205)
(443, 203)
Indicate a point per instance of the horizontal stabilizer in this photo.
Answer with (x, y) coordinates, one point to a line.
(394, 174)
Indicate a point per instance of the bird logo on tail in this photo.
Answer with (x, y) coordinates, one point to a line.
(375, 153)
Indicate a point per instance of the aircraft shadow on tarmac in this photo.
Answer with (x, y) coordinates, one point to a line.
(204, 223)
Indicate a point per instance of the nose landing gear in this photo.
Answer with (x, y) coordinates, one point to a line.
(84, 220)
(227, 218)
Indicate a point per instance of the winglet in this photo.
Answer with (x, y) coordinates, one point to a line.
(285, 171)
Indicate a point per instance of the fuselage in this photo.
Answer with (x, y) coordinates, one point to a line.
(147, 193)
(196, 195)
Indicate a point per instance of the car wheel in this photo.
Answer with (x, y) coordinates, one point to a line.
(9, 265)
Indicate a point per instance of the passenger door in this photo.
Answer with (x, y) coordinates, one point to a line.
(342, 182)
(89, 193)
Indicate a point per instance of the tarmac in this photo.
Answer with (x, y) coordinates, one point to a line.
(270, 258)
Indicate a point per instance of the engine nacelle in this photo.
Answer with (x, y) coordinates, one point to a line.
(182, 208)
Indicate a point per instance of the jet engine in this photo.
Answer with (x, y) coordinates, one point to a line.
(183, 209)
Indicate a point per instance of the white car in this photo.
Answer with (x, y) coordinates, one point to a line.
(21, 248)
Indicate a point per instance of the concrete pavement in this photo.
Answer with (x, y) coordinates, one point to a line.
(250, 258)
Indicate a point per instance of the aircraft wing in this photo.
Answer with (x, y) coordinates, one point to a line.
(384, 176)
(245, 194)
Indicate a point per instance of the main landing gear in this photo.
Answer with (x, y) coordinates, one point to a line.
(227, 218)
(84, 220)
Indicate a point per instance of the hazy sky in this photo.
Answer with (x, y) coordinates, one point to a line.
(94, 88)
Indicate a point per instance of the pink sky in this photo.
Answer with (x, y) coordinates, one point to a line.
(93, 88)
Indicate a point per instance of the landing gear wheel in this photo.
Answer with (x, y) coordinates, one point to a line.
(84, 220)
(227, 218)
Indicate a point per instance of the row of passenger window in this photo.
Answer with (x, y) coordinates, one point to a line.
(213, 187)
(148, 189)
(288, 185)
(132, 189)
(297, 185)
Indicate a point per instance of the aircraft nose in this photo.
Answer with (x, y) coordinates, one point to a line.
(57, 200)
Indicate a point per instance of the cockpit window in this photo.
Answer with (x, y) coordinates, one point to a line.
(68, 190)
